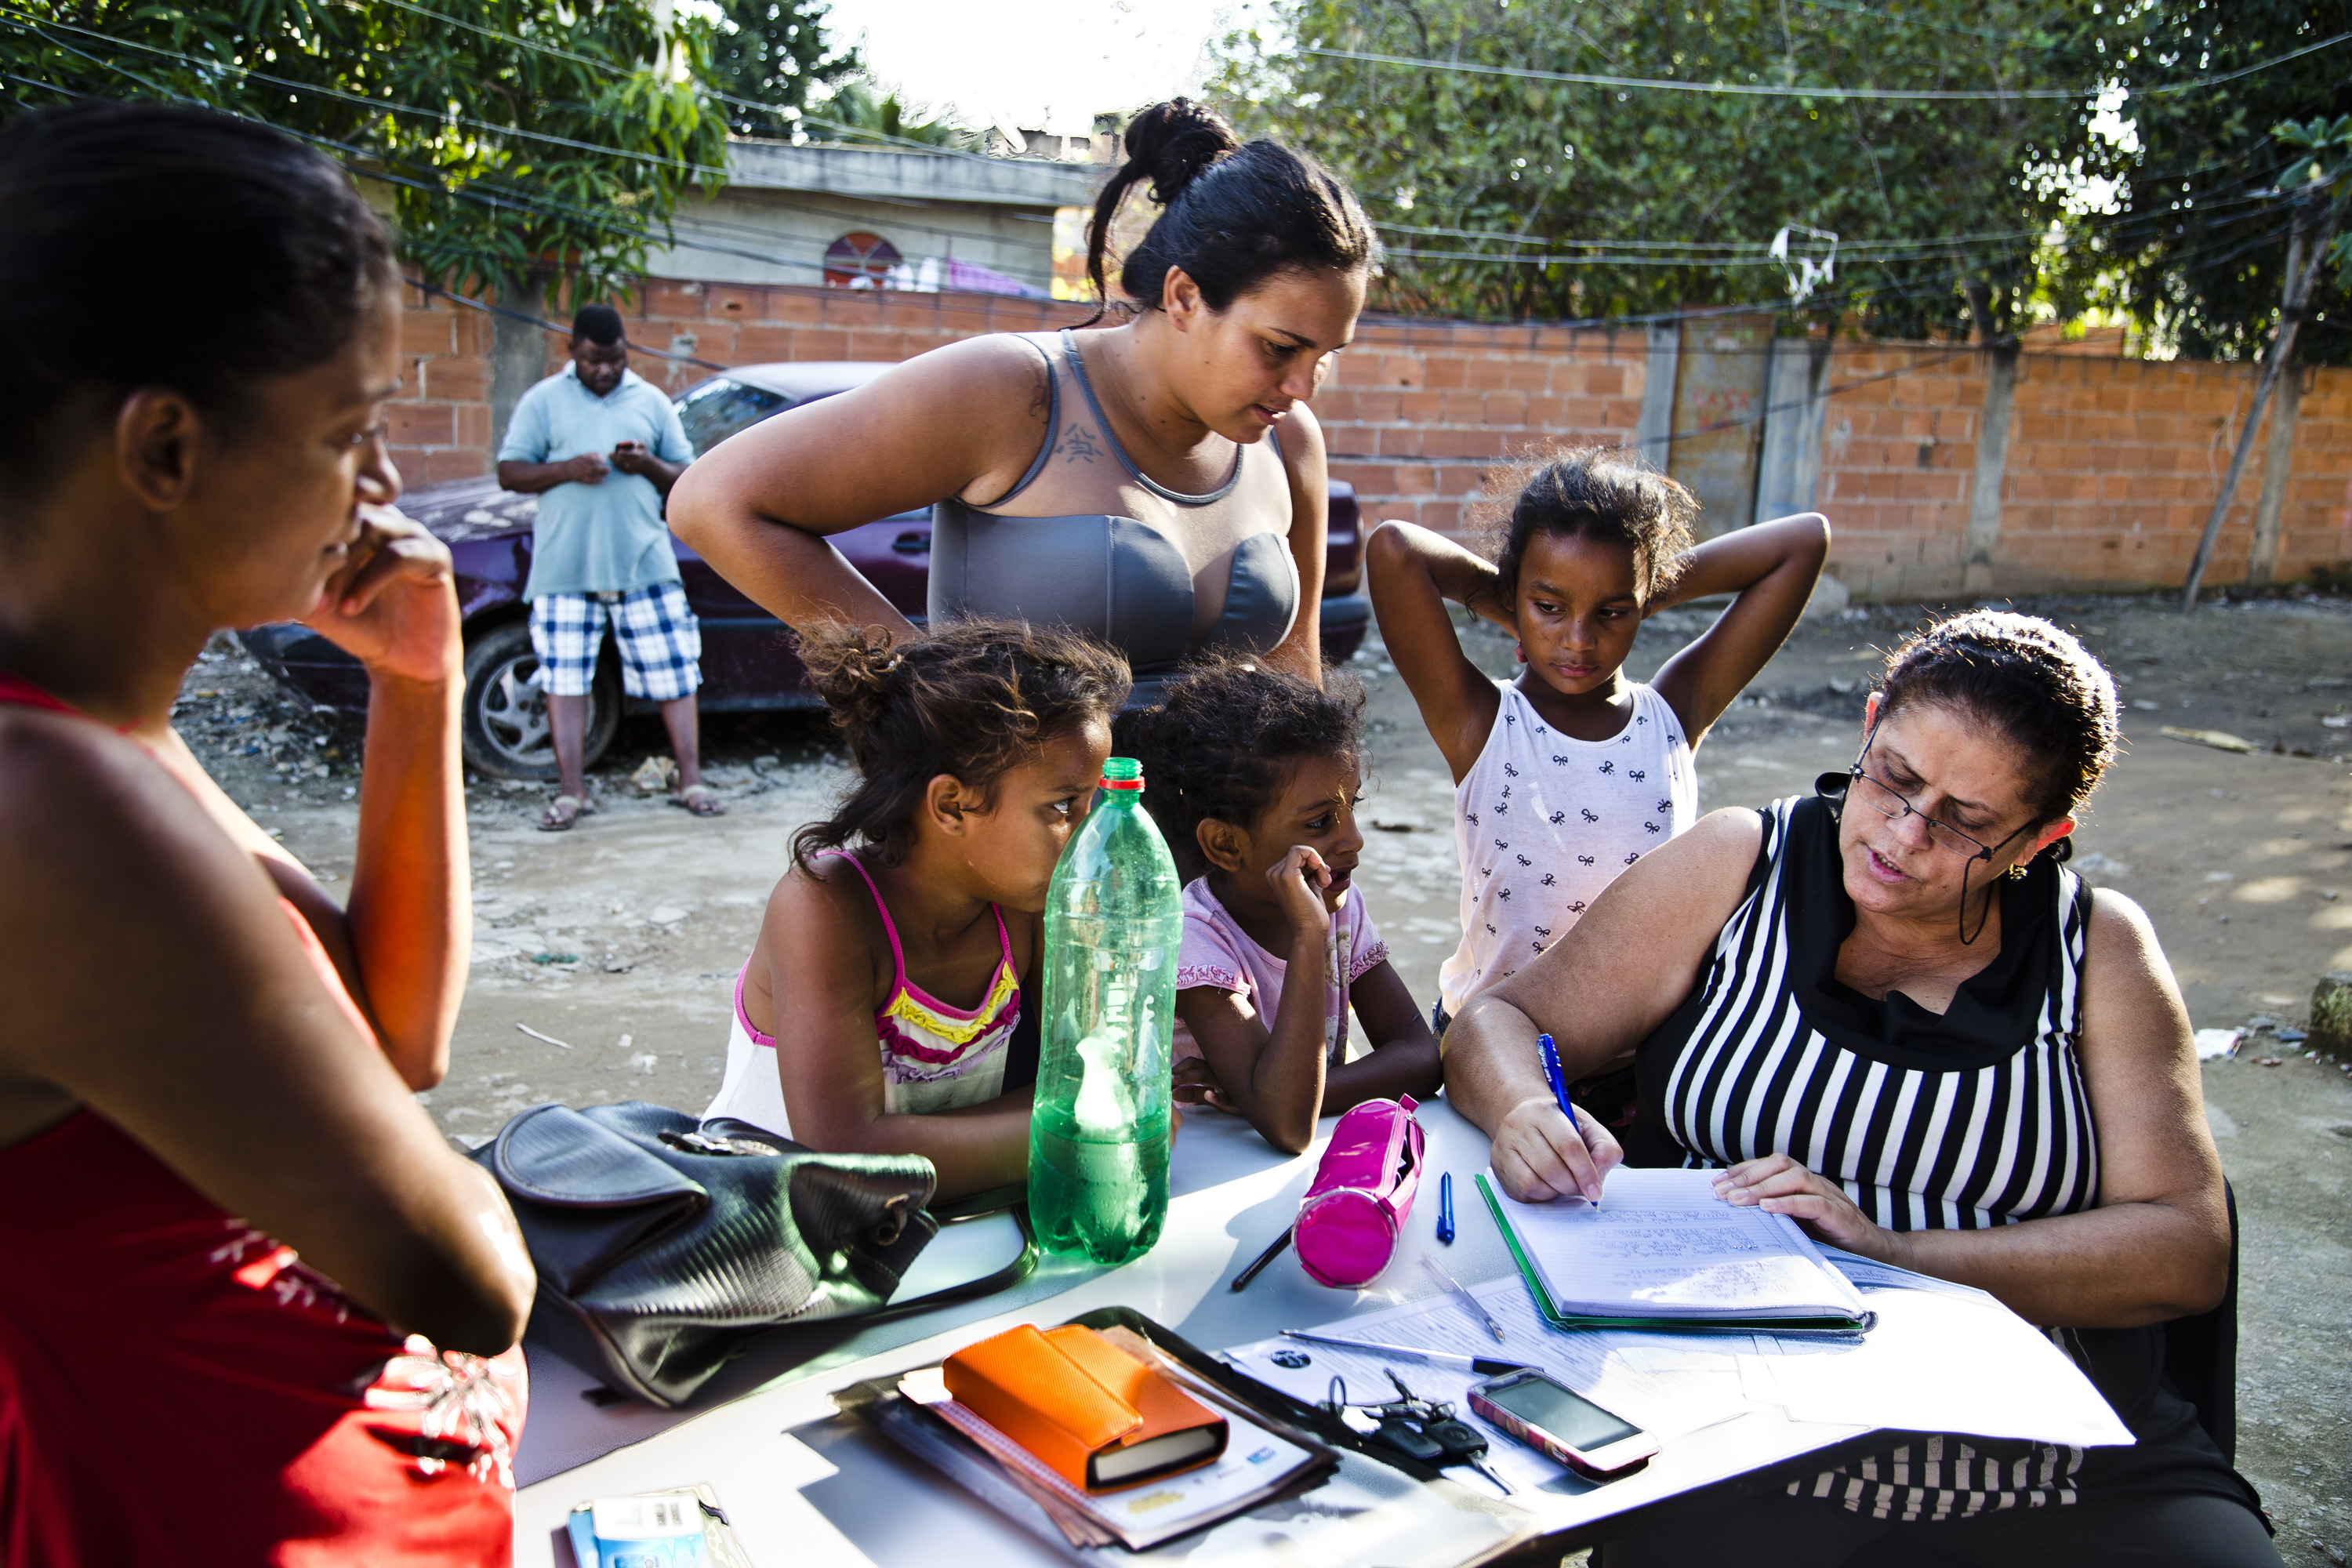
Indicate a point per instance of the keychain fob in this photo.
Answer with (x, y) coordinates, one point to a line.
(1400, 1434)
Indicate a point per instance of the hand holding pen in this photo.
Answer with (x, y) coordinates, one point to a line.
(1557, 1077)
(1535, 1158)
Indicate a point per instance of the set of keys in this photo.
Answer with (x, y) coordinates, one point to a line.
(1419, 1429)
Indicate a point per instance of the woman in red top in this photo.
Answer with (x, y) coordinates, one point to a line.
(253, 1307)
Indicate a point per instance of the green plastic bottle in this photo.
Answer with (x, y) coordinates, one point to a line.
(1098, 1138)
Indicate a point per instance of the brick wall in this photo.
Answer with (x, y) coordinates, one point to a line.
(2112, 463)
(1898, 464)
(2315, 524)
(1415, 413)
(441, 429)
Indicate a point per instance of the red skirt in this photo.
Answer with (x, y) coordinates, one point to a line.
(176, 1388)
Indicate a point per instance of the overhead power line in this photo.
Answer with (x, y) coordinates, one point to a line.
(380, 163)
(389, 106)
(696, 234)
(488, 192)
(726, 98)
(378, 105)
(383, 165)
(1878, 14)
(1776, 89)
(1550, 258)
(1879, 252)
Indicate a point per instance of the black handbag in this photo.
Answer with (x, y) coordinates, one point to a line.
(664, 1242)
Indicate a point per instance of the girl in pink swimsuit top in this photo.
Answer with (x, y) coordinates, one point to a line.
(935, 1056)
(888, 1018)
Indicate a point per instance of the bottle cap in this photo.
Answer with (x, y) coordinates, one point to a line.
(1122, 773)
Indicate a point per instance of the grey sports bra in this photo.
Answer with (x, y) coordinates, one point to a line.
(1100, 547)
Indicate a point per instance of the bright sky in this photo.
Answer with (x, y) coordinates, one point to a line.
(1034, 67)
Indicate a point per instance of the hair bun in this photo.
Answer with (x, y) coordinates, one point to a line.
(1171, 143)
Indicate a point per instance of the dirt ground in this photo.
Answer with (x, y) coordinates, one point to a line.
(621, 939)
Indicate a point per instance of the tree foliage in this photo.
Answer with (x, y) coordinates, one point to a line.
(1668, 198)
(861, 109)
(2199, 255)
(523, 138)
(768, 57)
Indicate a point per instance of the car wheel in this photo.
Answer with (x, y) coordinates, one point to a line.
(504, 727)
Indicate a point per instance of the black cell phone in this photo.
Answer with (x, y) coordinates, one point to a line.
(1547, 1415)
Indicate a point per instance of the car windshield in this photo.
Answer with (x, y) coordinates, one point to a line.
(715, 409)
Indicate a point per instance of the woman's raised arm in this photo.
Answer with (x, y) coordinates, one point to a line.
(400, 943)
(760, 505)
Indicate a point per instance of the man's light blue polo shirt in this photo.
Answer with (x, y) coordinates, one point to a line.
(606, 538)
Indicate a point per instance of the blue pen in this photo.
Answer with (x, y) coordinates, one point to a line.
(1556, 1076)
(1445, 1208)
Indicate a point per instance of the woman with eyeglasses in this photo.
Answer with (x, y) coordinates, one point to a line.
(1889, 1012)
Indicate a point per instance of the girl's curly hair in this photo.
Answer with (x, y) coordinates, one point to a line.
(1595, 492)
(971, 699)
(1222, 741)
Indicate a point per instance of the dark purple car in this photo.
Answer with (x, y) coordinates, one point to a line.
(747, 661)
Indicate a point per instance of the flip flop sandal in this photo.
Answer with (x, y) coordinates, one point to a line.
(561, 813)
(699, 799)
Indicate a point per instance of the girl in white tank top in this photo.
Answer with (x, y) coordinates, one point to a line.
(1570, 774)
(1544, 821)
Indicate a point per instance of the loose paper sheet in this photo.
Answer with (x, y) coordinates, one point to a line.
(1943, 1358)
(1943, 1362)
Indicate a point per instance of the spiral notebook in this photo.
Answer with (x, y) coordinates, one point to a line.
(1662, 1252)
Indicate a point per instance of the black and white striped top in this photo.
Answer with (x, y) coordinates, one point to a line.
(1964, 1120)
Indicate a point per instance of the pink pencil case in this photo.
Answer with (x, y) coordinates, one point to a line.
(1356, 1208)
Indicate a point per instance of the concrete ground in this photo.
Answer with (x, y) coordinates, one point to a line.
(622, 938)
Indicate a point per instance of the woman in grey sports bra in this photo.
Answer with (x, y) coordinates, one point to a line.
(1088, 539)
(1160, 485)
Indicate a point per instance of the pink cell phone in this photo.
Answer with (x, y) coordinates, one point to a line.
(1550, 1416)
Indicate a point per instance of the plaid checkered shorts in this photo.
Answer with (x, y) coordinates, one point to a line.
(660, 640)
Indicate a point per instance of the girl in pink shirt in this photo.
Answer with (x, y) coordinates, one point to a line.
(1253, 777)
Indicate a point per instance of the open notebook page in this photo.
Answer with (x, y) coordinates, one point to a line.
(1660, 1244)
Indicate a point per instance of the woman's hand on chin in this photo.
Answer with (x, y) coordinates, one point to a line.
(1540, 1157)
(1778, 1185)
(393, 604)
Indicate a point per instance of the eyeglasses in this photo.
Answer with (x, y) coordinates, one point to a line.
(1882, 798)
(1891, 806)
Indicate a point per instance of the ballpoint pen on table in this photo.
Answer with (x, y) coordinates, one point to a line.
(1451, 1283)
(1445, 1208)
(1241, 1280)
(1557, 1077)
(1485, 1366)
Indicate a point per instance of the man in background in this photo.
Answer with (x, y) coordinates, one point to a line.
(601, 446)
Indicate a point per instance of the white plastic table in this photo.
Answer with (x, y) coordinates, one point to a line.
(1233, 1194)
